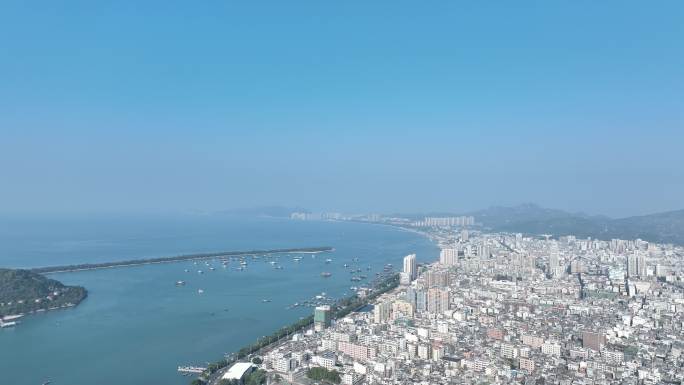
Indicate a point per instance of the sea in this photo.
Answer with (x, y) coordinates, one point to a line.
(137, 326)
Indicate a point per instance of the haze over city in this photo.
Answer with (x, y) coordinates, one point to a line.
(354, 106)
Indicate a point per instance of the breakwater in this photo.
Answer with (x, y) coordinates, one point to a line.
(177, 258)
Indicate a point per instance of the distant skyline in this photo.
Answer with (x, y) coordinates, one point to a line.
(355, 106)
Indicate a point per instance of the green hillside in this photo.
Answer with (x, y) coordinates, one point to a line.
(23, 291)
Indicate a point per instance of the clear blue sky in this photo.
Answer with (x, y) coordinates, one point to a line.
(349, 105)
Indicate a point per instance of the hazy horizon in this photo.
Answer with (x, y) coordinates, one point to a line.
(356, 107)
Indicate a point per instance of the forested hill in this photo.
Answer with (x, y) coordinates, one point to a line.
(23, 291)
(667, 227)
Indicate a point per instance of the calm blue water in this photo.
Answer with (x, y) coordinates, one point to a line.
(137, 326)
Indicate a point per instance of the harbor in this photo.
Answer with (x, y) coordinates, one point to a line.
(135, 314)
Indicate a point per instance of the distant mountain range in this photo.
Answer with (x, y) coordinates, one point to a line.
(529, 218)
(667, 227)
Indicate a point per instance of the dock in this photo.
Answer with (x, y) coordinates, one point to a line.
(191, 369)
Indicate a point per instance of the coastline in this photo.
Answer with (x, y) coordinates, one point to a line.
(213, 373)
(212, 312)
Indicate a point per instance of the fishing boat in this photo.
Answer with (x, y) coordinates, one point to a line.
(200, 291)
(326, 274)
(180, 283)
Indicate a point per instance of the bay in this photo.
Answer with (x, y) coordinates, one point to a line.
(136, 326)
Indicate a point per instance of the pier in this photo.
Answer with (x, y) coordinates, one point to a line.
(191, 369)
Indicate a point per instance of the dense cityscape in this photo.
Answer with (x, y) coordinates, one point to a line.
(342, 193)
(501, 308)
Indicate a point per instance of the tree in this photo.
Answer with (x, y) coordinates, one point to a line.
(323, 374)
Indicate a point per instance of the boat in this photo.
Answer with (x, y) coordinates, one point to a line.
(200, 272)
(212, 269)
(278, 267)
(345, 265)
(180, 283)
(200, 291)
(7, 324)
(265, 300)
(328, 260)
(326, 274)
(187, 271)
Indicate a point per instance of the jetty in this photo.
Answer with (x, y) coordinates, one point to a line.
(191, 369)
(177, 258)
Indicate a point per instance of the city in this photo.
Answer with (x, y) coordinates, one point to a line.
(507, 308)
(352, 192)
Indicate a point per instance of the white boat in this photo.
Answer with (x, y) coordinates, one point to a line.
(200, 291)
(7, 324)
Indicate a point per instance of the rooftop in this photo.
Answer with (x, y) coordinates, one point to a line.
(237, 371)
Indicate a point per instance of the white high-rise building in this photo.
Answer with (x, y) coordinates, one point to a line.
(410, 266)
(448, 257)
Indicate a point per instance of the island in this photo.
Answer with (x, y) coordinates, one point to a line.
(24, 291)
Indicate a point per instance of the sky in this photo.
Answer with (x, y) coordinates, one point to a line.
(354, 106)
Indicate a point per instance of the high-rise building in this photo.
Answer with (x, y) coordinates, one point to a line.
(437, 300)
(436, 278)
(448, 257)
(321, 317)
(410, 266)
(382, 311)
(421, 300)
(554, 265)
(636, 265)
(641, 265)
